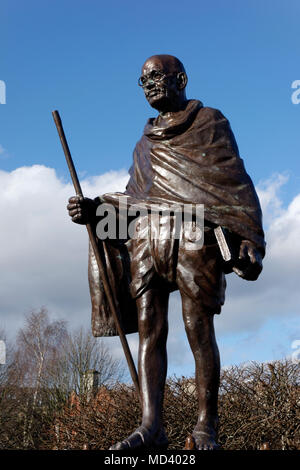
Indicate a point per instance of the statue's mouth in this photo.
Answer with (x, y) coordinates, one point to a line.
(154, 93)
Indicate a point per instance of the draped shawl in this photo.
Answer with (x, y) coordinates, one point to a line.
(191, 157)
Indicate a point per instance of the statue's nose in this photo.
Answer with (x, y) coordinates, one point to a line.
(150, 84)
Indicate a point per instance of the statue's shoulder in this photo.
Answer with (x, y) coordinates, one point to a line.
(211, 113)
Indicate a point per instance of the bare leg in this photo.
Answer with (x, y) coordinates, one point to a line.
(153, 330)
(152, 369)
(201, 335)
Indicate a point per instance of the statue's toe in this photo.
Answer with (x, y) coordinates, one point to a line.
(120, 446)
(142, 438)
(205, 441)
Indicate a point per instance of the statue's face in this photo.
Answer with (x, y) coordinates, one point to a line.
(160, 84)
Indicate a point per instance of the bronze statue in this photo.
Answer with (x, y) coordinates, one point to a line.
(187, 155)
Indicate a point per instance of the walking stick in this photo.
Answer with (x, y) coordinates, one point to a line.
(93, 241)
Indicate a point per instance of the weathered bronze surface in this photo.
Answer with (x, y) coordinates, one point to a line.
(187, 155)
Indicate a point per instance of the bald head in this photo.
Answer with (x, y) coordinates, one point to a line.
(169, 63)
(164, 80)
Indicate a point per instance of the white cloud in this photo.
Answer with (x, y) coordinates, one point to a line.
(274, 298)
(276, 292)
(44, 262)
(271, 203)
(43, 254)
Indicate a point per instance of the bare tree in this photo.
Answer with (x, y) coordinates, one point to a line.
(83, 359)
(82, 353)
(46, 365)
(7, 389)
(260, 404)
(39, 344)
(259, 409)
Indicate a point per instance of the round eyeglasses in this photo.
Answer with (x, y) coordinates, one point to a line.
(152, 78)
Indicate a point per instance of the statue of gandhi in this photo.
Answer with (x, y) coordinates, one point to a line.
(187, 155)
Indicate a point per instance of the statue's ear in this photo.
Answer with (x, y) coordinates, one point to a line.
(182, 80)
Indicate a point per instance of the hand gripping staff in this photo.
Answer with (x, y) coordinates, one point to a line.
(93, 241)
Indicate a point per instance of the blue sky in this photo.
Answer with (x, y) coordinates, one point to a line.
(84, 58)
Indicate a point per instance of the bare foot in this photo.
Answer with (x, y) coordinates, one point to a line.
(205, 438)
(142, 438)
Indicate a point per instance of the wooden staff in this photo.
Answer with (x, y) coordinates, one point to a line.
(93, 241)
